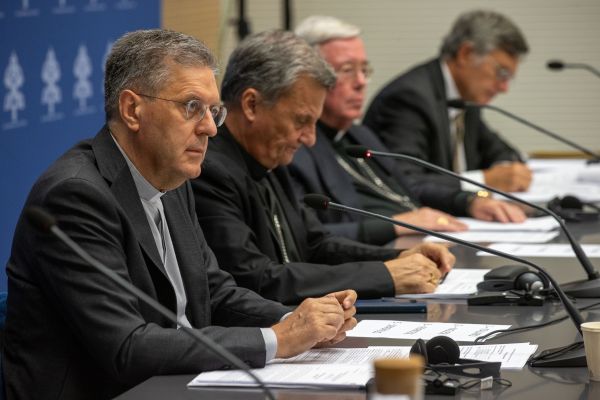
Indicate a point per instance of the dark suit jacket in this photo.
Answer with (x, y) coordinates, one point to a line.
(232, 214)
(71, 332)
(315, 170)
(411, 117)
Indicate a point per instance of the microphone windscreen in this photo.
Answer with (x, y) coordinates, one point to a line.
(39, 218)
(357, 151)
(316, 201)
(456, 103)
(555, 65)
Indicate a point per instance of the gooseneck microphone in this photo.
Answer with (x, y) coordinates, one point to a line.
(557, 65)
(46, 223)
(461, 104)
(321, 202)
(584, 289)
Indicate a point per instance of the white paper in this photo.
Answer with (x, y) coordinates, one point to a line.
(498, 237)
(421, 330)
(542, 250)
(354, 356)
(512, 355)
(291, 376)
(530, 224)
(540, 193)
(459, 284)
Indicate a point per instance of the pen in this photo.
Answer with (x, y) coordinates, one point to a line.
(443, 278)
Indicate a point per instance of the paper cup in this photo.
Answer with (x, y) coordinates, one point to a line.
(591, 340)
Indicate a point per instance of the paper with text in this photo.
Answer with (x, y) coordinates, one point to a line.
(531, 224)
(498, 237)
(459, 284)
(421, 330)
(542, 250)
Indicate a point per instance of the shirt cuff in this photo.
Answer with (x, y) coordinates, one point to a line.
(270, 343)
(475, 175)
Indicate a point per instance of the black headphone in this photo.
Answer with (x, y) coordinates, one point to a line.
(513, 277)
(572, 209)
(442, 354)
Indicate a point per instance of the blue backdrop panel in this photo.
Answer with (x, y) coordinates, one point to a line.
(52, 56)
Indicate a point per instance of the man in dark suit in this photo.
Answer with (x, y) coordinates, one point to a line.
(71, 332)
(478, 59)
(274, 87)
(374, 184)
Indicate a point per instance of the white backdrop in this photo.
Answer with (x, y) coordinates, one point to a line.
(399, 34)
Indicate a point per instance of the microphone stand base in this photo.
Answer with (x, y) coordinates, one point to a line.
(583, 289)
(572, 355)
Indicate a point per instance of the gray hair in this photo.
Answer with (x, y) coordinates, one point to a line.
(271, 62)
(141, 61)
(319, 29)
(487, 31)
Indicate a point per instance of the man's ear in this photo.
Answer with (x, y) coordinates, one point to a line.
(465, 54)
(130, 105)
(250, 102)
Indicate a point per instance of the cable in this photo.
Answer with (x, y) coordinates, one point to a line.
(535, 326)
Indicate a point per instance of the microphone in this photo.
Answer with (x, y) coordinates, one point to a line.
(46, 223)
(558, 65)
(463, 105)
(321, 202)
(584, 289)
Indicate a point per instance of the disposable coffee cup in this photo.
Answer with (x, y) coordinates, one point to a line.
(591, 341)
(398, 378)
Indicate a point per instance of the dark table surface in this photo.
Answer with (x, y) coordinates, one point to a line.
(528, 383)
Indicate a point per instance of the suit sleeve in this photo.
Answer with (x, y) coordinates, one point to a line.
(106, 319)
(226, 217)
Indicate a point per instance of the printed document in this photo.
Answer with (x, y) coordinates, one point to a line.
(459, 284)
(421, 330)
(542, 250)
(498, 237)
(530, 224)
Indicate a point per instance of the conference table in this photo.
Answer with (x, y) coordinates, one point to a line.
(528, 383)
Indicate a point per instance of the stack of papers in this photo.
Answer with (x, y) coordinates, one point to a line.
(532, 230)
(421, 330)
(540, 224)
(349, 368)
(542, 250)
(293, 376)
(459, 284)
(498, 237)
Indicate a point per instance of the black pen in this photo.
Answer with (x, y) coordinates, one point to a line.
(443, 278)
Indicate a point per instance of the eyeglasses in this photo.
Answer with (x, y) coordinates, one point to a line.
(503, 74)
(349, 71)
(195, 110)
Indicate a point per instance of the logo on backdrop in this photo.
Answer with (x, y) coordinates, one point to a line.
(51, 92)
(125, 5)
(94, 6)
(83, 89)
(25, 11)
(63, 8)
(14, 99)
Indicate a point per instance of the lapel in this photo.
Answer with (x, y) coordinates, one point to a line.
(363, 136)
(226, 144)
(338, 183)
(472, 117)
(441, 113)
(192, 265)
(114, 169)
